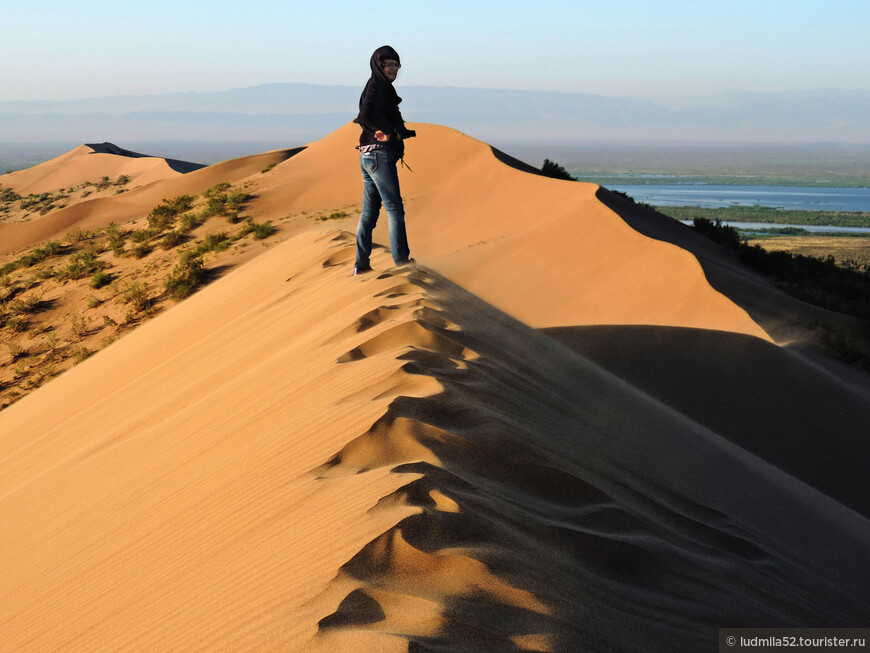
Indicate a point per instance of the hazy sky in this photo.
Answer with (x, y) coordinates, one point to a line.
(64, 50)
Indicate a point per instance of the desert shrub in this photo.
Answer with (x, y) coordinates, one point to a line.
(142, 235)
(49, 344)
(553, 169)
(819, 281)
(716, 231)
(214, 242)
(217, 189)
(190, 221)
(8, 195)
(222, 203)
(137, 296)
(258, 230)
(79, 325)
(103, 184)
(100, 279)
(17, 350)
(16, 323)
(140, 250)
(77, 235)
(335, 215)
(188, 275)
(109, 322)
(80, 353)
(93, 302)
(216, 205)
(123, 180)
(115, 238)
(23, 306)
(81, 264)
(172, 239)
(163, 215)
(268, 167)
(236, 200)
(40, 254)
(37, 201)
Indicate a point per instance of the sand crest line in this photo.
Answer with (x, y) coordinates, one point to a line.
(377, 591)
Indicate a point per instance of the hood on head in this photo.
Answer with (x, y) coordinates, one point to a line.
(383, 52)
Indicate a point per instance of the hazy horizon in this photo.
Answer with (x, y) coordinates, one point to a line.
(626, 48)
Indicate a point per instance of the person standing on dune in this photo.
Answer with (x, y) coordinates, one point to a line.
(381, 146)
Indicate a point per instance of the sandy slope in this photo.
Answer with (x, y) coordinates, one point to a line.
(546, 251)
(91, 163)
(98, 212)
(297, 459)
(225, 478)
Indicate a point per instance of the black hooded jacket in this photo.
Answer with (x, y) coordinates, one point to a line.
(379, 106)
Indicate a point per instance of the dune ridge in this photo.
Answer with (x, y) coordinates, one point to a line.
(92, 162)
(546, 251)
(465, 455)
(316, 462)
(99, 212)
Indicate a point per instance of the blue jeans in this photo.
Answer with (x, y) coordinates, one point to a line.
(381, 186)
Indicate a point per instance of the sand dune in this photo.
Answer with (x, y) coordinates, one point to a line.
(91, 163)
(298, 459)
(545, 251)
(317, 462)
(98, 212)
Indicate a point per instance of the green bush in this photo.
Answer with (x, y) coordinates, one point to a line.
(258, 230)
(137, 296)
(40, 254)
(23, 306)
(8, 195)
(17, 350)
(81, 264)
(80, 353)
(172, 239)
(217, 188)
(100, 279)
(221, 203)
(216, 205)
(553, 169)
(77, 235)
(163, 215)
(235, 200)
(116, 237)
(188, 275)
(79, 325)
(140, 250)
(190, 221)
(716, 231)
(142, 235)
(214, 242)
(818, 281)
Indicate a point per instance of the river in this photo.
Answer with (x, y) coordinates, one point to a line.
(798, 198)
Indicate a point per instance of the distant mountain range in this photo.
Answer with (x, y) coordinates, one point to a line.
(304, 112)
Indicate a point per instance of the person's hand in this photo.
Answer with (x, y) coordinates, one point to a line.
(381, 136)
